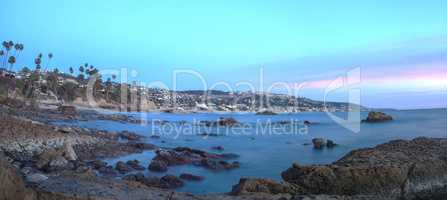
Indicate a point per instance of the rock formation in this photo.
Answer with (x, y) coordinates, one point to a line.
(377, 117)
(408, 169)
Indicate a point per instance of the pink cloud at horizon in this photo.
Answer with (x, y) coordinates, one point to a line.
(421, 76)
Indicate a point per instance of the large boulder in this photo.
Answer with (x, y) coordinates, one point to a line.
(377, 117)
(409, 169)
(172, 157)
(46, 157)
(158, 166)
(135, 164)
(122, 167)
(57, 163)
(57, 158)
(256, 185)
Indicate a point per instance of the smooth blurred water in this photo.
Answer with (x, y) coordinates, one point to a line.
(269, 154)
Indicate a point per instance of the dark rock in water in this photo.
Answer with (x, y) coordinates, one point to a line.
(139, 177)
(227, 121)
(377, 117)
(219, 148)
(415, 169)
(122, 167)
(171, 182)
(191, 151)
(218, 165)
(319, 143)
(98, 164)
(190, 177)
(185, 155)
(158, 166)
(330, 144)
(143, 146)
(152, 181)
(256, 185)
(307, 122)
(12, 186)
(129, 136)
(266, 112)
(171, 157)
(107, 171)
(135, 164)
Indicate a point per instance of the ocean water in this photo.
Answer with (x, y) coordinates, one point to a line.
(266, 152)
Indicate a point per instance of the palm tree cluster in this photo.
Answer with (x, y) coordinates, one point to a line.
(66, 86)
(8, 58)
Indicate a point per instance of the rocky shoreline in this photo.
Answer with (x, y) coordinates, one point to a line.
(41, 161)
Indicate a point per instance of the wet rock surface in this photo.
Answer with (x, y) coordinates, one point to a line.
(256, 185)
(135, 164)
(122, 167)
(321, 143)
(184, 156)
(158, 166)
(409, 169)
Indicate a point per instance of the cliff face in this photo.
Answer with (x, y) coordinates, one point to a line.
(415, 169)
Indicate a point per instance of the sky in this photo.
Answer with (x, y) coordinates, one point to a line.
(399, 46)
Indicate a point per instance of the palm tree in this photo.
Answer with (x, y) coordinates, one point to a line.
(50, 56)
(38, 61)
(19, 48)
(7, 46)
(11, 61)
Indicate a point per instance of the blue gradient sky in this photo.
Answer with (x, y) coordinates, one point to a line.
(294, 41)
